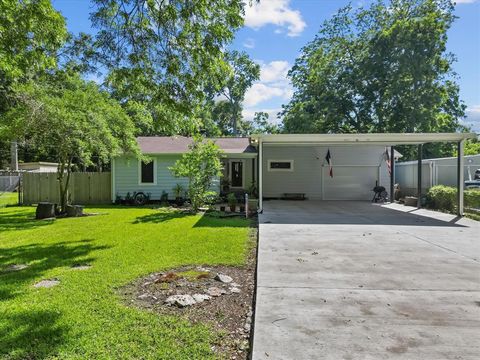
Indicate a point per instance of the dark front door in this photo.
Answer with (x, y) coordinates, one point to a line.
(237, 173)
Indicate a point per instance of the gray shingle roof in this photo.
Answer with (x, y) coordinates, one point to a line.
(179, 144)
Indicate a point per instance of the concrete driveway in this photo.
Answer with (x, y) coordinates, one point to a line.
(354, 280)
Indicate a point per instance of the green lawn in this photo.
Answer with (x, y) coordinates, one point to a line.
(83, 317)
(8, 198)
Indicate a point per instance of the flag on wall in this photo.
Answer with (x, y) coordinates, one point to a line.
(328, 158)
(388, 161)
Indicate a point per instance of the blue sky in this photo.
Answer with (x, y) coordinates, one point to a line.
(276, 30)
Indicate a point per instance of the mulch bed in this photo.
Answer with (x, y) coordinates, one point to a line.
(230, 314)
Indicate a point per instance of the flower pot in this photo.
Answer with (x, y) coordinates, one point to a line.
(232, 208)
(222, 208)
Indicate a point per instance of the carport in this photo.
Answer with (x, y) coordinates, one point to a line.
(351, 175)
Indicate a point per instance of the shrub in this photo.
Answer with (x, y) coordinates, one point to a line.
(444, 198)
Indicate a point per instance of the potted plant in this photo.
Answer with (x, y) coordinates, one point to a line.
(232, 201)
(178, 190)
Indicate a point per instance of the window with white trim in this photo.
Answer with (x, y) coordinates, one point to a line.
(280, 165)
(147, 172)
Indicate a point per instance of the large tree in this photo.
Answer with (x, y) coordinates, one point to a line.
(239, 78)
(161, 55)
(62, 114)
(379, 69)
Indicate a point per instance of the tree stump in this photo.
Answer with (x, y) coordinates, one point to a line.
(74, 210)
(45, 210)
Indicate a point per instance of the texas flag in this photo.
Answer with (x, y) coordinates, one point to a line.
(328, 158)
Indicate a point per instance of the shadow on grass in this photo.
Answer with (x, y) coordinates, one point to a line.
(39, 259)
(162, 216)
(214, 221)
(31, 334)
(20, 220)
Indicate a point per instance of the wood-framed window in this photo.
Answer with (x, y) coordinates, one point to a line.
(280, 165)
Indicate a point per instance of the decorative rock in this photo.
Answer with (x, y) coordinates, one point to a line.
(45, 210)
(235, 290)
(47, 283)
(143, 297)
(17, 267)
(81, 267)
(214, 291)
(223, 278)
(180, 300)
(234, 284)
(201, 297)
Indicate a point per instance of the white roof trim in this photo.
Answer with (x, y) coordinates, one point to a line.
(375, 139)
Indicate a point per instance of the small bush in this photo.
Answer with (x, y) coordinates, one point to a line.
(444, 198)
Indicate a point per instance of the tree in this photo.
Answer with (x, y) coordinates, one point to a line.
(201, 165)
(241, 75)
(163, 54)
(379, 69)
(71, 118)
(261, 125)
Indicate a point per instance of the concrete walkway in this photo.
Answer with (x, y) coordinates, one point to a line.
(354, 280)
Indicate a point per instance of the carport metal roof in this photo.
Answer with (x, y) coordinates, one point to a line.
(374, 138)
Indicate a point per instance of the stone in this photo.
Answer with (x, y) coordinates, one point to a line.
(223, 278)
(47, 283)
(180, 300)
(17, 267)
(215, 291)
(201, 297)
(143, 297)
(81, 267)
(234, 284)
(235, 290)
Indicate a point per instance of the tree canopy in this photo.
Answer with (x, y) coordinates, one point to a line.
(163, 54)
(379, 69)
(71, 118)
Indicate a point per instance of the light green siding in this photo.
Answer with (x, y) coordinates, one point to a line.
(127, 176)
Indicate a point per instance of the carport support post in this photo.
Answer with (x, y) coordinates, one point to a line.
(392, 174)
(419, 175)
(460, 178)
(260, 175)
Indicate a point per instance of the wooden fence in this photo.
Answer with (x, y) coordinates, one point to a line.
(84, 188)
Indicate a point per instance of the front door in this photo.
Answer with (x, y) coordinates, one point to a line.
(237, 174)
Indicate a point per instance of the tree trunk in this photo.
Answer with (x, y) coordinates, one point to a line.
(63, 183)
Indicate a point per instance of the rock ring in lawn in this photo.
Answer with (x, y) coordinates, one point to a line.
(215, 291)
(223, 278)
(17, 267)
(48, 283)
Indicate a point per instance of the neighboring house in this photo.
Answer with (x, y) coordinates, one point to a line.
(39, 166)
(441, 171)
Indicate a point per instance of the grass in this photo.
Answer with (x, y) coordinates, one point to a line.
(83, 317)
(8, 198)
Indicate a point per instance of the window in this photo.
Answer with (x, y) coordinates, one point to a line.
(147, 172)
(280, 165)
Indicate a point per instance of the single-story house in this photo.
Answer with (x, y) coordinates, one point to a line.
(318, 166)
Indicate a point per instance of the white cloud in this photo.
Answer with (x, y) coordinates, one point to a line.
(249, 43)
(274, 71)
(273, 84)
(473, 118)
(464, 1)
(249, 114)
(276, 12)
